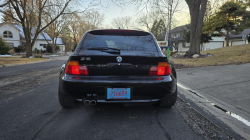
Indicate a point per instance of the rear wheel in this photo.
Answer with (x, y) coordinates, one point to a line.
(169, 101)
(65, 101)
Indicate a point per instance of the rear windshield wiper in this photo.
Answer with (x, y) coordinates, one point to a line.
(97, 48)
(102, 48)
(115, 49)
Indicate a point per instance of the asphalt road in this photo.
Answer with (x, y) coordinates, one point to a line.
(29, 109)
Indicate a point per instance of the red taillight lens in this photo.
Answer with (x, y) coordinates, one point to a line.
(163, 68)
(153, 71)
(83, 70)
(74, 68)
(161, 71)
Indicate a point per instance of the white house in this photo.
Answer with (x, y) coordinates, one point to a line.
(237, 39)
(216, 42)
(60, 43)
(179, 42)
(14, 36)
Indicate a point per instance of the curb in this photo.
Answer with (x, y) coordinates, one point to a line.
(17, 64)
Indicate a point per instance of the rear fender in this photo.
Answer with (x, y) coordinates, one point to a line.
(172, 68)
(62, 70)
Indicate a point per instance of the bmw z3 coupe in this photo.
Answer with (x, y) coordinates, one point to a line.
(117, 66)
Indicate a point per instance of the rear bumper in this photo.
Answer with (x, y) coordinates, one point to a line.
(129, 101)
(145, 88)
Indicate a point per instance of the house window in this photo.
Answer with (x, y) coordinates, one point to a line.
(44, 45)
(7, 34)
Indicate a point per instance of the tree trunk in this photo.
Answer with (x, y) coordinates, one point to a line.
(53, 46)
(27, 38)
(29, 50)
(197, 9)
(29, 42)
(227, 37)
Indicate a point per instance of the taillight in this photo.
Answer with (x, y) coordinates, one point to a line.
(163, 68)
(74, 68)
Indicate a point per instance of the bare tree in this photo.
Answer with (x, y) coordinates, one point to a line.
(29, 13)
(151, 10)
(167, 9)
(79, 23)
(4, 3)
(54, 30)
(74, 26)
(146, 19)
(67, 39)
(122, 22)
(93, 19)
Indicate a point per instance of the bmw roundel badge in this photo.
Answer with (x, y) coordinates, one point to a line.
(119, 59)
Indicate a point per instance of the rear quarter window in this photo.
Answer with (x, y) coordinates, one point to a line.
(121, 42)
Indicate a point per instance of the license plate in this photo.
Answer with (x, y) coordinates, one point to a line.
(118, 93)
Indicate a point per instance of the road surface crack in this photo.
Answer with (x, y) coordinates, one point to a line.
(45, 125)
(166, 133)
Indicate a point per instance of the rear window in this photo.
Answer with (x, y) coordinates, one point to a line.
(121, 42)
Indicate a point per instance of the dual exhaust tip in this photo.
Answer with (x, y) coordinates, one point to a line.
(90, 102)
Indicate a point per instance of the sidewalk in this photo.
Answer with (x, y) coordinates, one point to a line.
(230, 83)
(227, 88)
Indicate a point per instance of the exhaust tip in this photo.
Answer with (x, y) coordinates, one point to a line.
(87, 102)
(93, 102)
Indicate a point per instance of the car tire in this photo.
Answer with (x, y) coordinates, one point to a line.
(65, 101)
(169, 101)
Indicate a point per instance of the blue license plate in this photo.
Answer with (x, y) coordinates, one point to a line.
(118, 93)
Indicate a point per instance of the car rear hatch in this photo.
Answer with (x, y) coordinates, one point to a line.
(118, 53)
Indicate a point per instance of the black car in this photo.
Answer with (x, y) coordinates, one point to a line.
(117, 66)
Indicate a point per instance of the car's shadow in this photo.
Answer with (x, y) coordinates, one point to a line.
(114, 121)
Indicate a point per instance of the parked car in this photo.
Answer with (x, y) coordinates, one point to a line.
(117, 66)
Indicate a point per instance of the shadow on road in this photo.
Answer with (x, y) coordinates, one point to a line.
(115, 121)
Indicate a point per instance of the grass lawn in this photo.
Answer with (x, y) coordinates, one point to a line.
(222, 56)
(18, 59)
